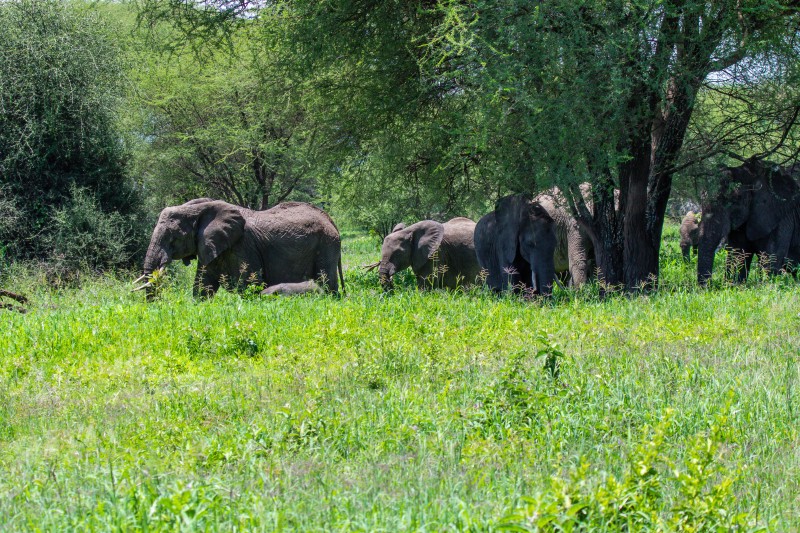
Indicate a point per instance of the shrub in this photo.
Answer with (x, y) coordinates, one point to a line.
(84, 237)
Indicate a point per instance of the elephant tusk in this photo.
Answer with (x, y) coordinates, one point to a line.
(140, 278)
(371, 266)
(144, 286)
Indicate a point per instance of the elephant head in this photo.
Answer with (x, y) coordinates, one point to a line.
(410, 246)
(201, 228)
(752, 200)
(516, 243)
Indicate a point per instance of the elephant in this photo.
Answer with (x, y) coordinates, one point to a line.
(290, 243)
(758, 208)
(442, 255)
(398, 227)
(515, 244)
(290, 289)
(690, 234)
(574, 253)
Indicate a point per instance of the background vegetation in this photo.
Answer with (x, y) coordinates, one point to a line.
(382, 112)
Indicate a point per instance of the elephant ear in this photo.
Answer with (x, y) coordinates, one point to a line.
(428, 236)
(774, 197)
(220, 226)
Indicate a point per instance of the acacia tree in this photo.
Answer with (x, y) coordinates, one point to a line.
(606, 92)
(225, 122)
(561, 92)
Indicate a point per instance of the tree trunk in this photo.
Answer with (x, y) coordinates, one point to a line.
(607, 239)
(639, 256)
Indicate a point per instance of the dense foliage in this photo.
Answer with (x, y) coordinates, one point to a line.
(449, 104)
(61, 87)
(230, 125)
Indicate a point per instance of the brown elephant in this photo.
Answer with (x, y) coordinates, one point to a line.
(515, 244)
(574, 253)
(690, 234)
(442, 255)
(292, 242)
(292, 289)
(758, 208)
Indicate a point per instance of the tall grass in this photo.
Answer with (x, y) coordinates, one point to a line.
(403, 411)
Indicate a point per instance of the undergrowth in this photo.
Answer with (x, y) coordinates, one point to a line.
(433, 411)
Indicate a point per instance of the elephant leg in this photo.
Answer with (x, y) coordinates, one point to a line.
(777, 248)
(425, 277)
(519, 274)
(578, 260)
(685, 252)
(206, 284)
(737, 265)
(545, 274)
(326, 269)
(740, 255)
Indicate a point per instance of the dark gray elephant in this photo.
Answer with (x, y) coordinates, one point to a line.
(758, 209)
(292, 242)
(690, 234)
(574, 253)
(515, 244)
(441, 255)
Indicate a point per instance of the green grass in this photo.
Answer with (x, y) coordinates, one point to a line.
(407, 411)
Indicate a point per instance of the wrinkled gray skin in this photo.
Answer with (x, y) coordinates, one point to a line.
(515, 244)
(441, 255)
(292, 242)
(758, 209)
(574, 253)
(690, 234)
(398, 227)
(291, 289)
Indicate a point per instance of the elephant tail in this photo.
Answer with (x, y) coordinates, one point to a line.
(341, 273)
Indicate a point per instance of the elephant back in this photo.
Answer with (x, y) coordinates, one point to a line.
(460, 230)
(298, 218)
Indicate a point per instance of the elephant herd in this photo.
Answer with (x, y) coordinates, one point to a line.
(525, 244)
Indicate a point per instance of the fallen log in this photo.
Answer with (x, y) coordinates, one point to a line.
(17, 298)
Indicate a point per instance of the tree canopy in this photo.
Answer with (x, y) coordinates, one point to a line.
(388, 111)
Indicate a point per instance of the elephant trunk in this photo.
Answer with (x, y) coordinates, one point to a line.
(544, 276)
(155, 259)
(712, 230)
(385, 274)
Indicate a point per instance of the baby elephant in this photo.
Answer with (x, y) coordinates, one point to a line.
(441, 255)
(290, 289)
(690, 234)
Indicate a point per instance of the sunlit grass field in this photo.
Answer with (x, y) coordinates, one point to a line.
(409, 411)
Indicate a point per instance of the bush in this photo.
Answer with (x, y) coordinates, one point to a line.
(637, 500)
(61, 87)
(84, 237)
